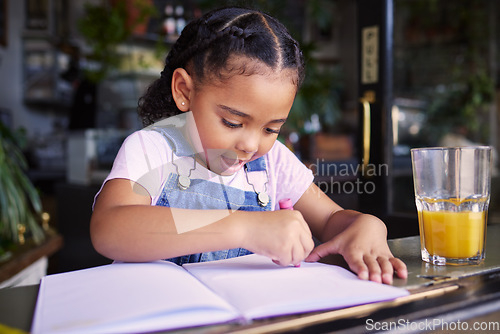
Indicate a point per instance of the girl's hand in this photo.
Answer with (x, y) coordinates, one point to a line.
(364, 247)
(283, 236)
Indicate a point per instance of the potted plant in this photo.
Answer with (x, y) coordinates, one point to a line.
(20, 204)
(107, 25)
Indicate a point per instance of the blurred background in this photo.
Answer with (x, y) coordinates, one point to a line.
(383, 76)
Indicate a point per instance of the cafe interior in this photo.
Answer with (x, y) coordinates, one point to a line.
(382, 77)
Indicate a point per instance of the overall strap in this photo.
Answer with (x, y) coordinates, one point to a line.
(258, 165)
(205, 194)
(175, 140)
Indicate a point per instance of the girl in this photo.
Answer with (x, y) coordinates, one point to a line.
(205, 184)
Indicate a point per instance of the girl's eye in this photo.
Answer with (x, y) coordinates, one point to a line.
(230, 124)
(273, 131)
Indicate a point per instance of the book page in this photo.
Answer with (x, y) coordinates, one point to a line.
(259, 288)
(126, 298)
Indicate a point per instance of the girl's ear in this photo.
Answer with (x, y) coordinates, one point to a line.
(182, 88)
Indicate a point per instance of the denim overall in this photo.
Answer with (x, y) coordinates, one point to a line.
(206, 194)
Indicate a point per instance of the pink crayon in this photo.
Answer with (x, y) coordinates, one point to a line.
(286, 204)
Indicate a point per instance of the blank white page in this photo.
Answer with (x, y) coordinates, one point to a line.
(259, 288)
(126, 298)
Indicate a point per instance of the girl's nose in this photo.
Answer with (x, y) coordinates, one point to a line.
(248, 143)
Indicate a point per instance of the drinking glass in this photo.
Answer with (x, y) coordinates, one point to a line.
(452, 194)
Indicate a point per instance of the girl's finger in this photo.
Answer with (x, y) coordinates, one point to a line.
(399, 267)
(387, 270)
(319, 252)
(358, 266)
(373, 268)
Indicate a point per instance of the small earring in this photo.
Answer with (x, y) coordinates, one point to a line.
(183, 103)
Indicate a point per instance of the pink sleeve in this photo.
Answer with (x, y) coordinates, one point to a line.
(288, 175)
(141, 158)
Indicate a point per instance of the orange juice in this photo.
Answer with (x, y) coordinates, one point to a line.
(452, 234)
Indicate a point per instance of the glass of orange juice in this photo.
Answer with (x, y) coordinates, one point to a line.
(452, 194)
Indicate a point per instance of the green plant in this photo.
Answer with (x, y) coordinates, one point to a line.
(461, 107)
(20, 204)
(105, 26)
(319, 95)
(458, 37)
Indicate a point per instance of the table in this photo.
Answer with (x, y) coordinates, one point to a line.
(29, 253)
(451, 296)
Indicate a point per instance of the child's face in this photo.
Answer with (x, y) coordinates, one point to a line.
(238, 120)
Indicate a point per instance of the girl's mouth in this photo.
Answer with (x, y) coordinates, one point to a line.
(231, 166)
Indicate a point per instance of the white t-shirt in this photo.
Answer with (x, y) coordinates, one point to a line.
(146, 158)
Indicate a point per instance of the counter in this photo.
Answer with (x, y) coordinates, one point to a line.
(441, 298)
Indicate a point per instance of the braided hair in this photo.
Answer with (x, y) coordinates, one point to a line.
(205, 46)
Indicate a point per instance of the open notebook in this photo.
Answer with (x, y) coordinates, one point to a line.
(142, 297)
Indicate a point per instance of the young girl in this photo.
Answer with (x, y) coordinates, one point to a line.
(205, 184)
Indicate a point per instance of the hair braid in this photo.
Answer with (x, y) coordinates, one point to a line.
(205, 46)
(187, 54)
